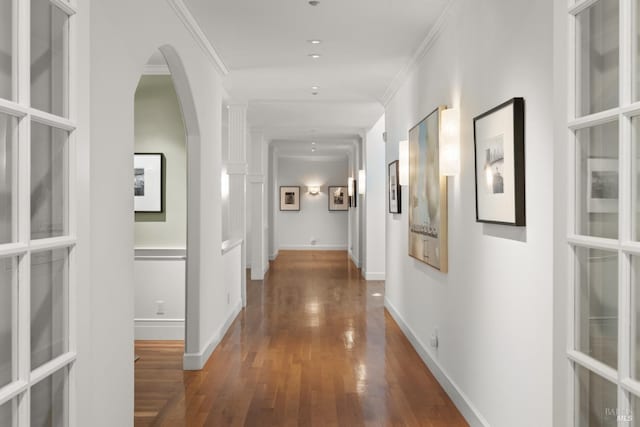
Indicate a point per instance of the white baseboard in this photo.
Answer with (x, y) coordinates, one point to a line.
(159, 329)
(313, 248)
(355, 261)
(196, 361)
(374, 276)
(462, 402)
(273, 256)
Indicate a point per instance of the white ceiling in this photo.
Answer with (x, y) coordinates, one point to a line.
(366, 43)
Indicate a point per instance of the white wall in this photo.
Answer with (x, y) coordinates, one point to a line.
(493, 310)
(122, 37)
(375, 201)
(314, 220)
(159, 129)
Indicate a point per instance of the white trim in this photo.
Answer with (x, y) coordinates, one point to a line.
(160, 254)
(313, 247)
(192, 25)
(318, 158)
(418, 55)
(196, 361)
(159, 329)
(156, 70)
(354, 259)
(54, 121)
(12, 249)
(64, 6)
(374, 276)
(52, 243)
(595, 119)
(227, 245)
(462, 402)
(50, 367)
(12, 109)
(593, 365)
(273, 256)
(255, 178)
(581, 6)
(12, 390)
(236, 168)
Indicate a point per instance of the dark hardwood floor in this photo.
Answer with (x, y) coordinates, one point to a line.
(314, 347)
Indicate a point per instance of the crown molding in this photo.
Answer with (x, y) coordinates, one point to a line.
(418, 55)
(193, 27)
(156, 70)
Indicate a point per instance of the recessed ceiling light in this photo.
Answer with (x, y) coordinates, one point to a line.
(313, 150)
(313, 143)
(315, 55)
(315, 87)
(314, 2)
(377, 294)
(315, 41)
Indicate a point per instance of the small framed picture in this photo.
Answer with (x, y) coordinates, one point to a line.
(148, 172)
(338, 198)
(289, 198)
(353, 199)
(602, 185)
(395, 201)
(500, 164)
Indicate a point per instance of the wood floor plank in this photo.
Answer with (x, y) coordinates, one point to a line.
(314, 347)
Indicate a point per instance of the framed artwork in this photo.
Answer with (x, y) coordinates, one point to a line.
(148, 192)
(395, 200)
(338, 198)
(602, 185)
(499, 154)
(428, 215)
(290, 198)
(353, 200)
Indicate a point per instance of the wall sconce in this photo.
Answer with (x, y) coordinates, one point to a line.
(362, 188)
(450, 142)
(224, 184)
(403, 162)
(350, 187)
(314, 190)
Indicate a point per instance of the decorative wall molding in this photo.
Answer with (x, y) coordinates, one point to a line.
(418, 55)
(256, 178)
(355, 261)
(374, 276)
(159, 329)
(156, 70)
(236, 168)
(196, 361)
(462, 402)
(160, 254)
(313, 248)
(192, 25)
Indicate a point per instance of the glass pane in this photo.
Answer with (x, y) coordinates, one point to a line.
(48, 181)
(597, 304)
(8, 158)
(6, 414)
(635, 411)
(48, 57)
(635, 320)
(597, 60)
(636, 54)
(597, 181)
(49, 401)
(8, 277)
(596, 400)
(49, 306)
(6, 42)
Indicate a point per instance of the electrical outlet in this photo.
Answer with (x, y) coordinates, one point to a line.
(434, 339)
(159, 307)
(313, 241)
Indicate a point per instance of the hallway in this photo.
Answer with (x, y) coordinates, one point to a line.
(313, 347)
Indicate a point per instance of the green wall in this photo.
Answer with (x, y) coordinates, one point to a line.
(159, 129)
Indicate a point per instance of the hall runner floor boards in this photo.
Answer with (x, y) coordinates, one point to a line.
(314, 347)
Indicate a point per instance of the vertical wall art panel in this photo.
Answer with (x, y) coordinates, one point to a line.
(427, 195)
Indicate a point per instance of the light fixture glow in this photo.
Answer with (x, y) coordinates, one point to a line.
(450, 142)
(315, 87)
(314, 189)
(403, 162)
(315, 55)
(350, 187)
(315, 41)
(362, 185)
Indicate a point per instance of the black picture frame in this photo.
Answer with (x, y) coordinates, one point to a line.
(353, 200)
(284, 202)
(345, 205)
(159, 181)
(394, 187)
(500, 129)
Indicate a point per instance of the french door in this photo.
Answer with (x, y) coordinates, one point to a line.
(37, 234)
